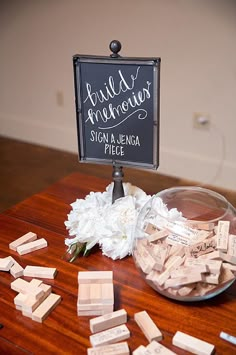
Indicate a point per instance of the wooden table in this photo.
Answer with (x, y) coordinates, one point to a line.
(63, 332)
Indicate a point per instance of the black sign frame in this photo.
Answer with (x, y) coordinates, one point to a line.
(83, 66)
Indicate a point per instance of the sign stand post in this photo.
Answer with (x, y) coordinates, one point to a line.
(118, 190)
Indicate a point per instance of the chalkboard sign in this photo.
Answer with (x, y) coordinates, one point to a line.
(117, 105)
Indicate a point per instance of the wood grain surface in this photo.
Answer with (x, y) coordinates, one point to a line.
(63, 332)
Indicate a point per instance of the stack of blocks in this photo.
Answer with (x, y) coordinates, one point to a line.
(96, 293)
(34, 298)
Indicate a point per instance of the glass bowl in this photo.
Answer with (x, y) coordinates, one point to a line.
(185, 243)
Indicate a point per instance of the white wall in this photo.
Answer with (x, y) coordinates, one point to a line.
(194, 38)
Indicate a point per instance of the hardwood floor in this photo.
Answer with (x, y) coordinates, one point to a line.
(27, 169)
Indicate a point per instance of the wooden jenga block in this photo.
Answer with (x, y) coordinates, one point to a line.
(211, 278)
(107, 321)
(149, 228)
(44, 309)
(186, 271)
(113, 335)
(212, 266)
(31, 303)
(227, 337)
(36, 282)
(222, 235)
(229, 258)
(84, 294)
(95, 307)
(107, 293)
(26, 238)
(40, 271)
(6, 263)
(20, 299)
(185, 290)
(147, 326)
(92, 313)
(22, 286)
(185, 280)
(157, 235)
(207, 226)
(95, 277)
(205, 247)
(171, 263)
(32, 246)
(192, 344)
(95, 292)
(229, 266)
(16, 269)
(140, 350)
(114, 349)
(232, 245)
(156, 348)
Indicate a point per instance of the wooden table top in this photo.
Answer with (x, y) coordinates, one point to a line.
(63, 331)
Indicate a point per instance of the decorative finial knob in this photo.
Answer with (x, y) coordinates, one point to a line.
(115, 47)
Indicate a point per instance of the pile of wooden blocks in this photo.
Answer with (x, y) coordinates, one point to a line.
(34, 298)
(28, 243)
(110, 331)
(107, 331)
(95, 293)
(187, 260)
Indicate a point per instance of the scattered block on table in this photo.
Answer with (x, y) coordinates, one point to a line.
(222, 235)
(6, 263)
(95, 277)
(107, 321)
(147, 326)
(192, 344)
(22, 286)
(113, 335)
(40, 271)
(84, 294)
(44, 309)
(32, 246)
(114, 349)
(139, 350)
(156, 348)
(16, 269)
(229, 338)
(26, 238)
